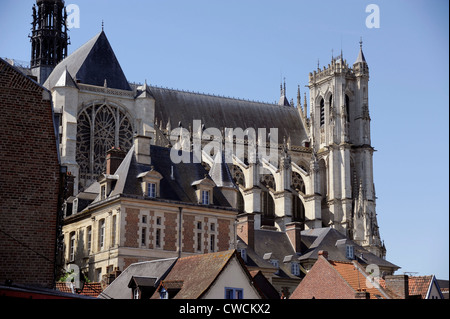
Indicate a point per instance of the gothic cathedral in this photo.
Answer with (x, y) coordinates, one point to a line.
(324, 172)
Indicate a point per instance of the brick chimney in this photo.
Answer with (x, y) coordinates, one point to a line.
(114, 157)
(246, 228)
(398, 284)
(293, 231)
(323, 253)
(362, 295)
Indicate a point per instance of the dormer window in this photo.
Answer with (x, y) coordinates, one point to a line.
(150, 183)
(151, 190)
(349, 252)
(103, 191)
(204, 188)
(205, 197)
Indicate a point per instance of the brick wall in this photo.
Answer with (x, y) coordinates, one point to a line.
(170, 232)
(224, 236)
(188, 233)
(29, 181)
(131, 227)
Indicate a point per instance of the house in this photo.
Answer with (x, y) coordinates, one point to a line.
(329, 279)
(220, 275)
(286, 257)
(427, 287)
(139, 280)
(31, 181)
(145, 207)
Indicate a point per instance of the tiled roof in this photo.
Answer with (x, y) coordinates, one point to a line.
(92, 289)
(353, 274)
(419, 285)
(197, 273)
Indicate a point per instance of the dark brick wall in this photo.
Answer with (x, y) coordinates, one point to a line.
(29, 181)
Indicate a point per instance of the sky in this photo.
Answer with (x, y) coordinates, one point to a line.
(245, 48)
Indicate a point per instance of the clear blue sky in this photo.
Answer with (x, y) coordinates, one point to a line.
(244, 48)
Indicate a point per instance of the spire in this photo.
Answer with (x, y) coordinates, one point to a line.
(361, 58)
(49, 39)
(283, 100)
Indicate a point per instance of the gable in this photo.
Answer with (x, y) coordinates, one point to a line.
(92, 64)
(323, 282)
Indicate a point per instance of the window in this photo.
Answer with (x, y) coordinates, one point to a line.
(212, 243)
(322, 112)
(243, 253)
(136, 293)
(234, 293)
(144, 236)
(72, 247)
(199, 241)
(99, 128)
(151, 190)
(205, 197)
(114, 229)
(89, 239)
(295, 269)
(103, 192)
(158, 238)
(101, 234)
(349, 253)
(144, 219)
(275, 263)
(347, 107)
(163, 294)
(75, 206)
(158, 220)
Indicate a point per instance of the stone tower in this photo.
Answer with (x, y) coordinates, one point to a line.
(342, 161)
(49, 38)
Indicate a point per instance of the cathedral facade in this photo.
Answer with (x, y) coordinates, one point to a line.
(320, 169)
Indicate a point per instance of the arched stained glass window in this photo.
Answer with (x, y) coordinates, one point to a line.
(100, 127)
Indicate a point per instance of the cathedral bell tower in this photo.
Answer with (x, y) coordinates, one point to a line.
(49, 38)
(342, 158)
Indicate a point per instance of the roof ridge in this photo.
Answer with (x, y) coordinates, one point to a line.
(214, 95)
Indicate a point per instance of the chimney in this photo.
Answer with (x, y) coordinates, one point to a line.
(246, 228)
(398, 284)
(142, 149)
(114, 157)
(323, 253)
(362, 295)
(293, 231)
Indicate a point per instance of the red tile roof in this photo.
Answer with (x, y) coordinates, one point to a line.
(92, 289)
(355, 276)
(419, 285)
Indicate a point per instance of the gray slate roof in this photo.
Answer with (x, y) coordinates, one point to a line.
(222, 112)
(334, 243)
(179, 188)
(156, 269)
(91, 64)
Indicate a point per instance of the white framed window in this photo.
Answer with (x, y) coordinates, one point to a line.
(89, 239)
(295, 269)
(349, 252)
(136, 294)
(72, 247)
(103, 191)
(114, 230)
(205, 197)
(151, 190)
(101, 234)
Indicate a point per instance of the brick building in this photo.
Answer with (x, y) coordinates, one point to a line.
(144, 208)
(29, 181)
